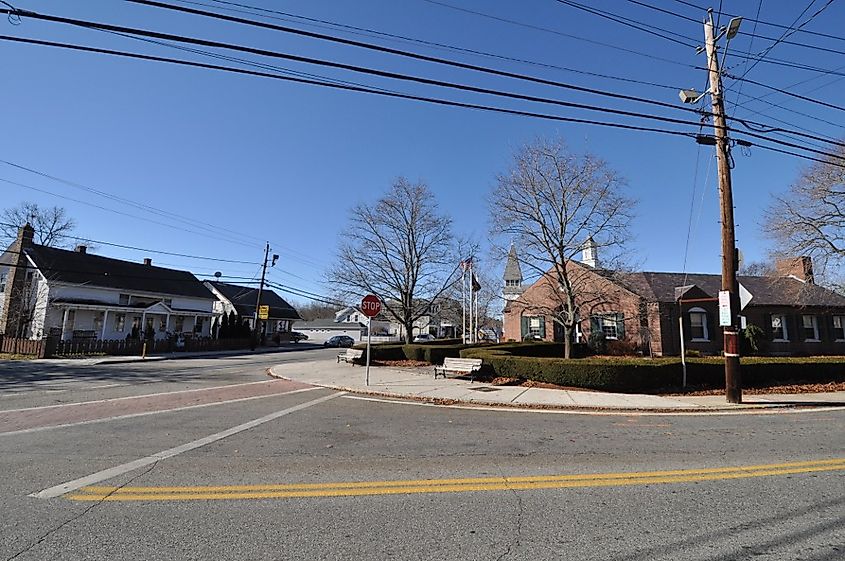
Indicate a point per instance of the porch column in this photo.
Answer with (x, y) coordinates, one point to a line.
(105, 323)
(167, 324)
(64, 323)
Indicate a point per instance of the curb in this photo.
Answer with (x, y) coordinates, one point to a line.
(745, 408)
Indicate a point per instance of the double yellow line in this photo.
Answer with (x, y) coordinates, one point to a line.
(361, 488)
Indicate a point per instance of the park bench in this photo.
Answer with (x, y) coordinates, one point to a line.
(350, 355)
(460, 366)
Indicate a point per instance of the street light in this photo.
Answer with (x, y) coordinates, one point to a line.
(733, 27)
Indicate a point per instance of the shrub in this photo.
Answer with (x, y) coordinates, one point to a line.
(597, 342)
(649, 375)
(622, 347)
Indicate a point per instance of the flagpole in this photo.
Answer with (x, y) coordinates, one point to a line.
(463, 303)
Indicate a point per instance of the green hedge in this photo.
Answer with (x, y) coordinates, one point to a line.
(433, 354)
(645, 375)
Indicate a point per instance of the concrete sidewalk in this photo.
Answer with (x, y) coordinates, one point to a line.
(419, 384)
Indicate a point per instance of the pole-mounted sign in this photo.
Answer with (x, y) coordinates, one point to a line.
(370, 307)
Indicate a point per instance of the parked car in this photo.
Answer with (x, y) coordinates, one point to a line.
(424, 338)
(340, 341)
(296, 336)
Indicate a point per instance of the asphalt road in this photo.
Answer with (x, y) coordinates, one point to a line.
(208, 459)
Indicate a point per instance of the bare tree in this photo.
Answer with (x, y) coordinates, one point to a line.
(52, 225)
(551, 203)
(316, 310)
(401, 249)
(810, 218)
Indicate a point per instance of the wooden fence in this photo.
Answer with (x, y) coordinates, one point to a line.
(15, 346)
(53, 347)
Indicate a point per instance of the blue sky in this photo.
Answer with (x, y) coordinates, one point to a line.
(285, 162)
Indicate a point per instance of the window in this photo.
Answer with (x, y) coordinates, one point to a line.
(779, 330)
(611, 324)
(2, 282)
(98, 322)
(162, 325)
(510, 282)
(179, 327)
(535, 327)
(119, 322)
(198, 324)
(609, 327)
(839, 328)
(124, 300)
(811, 328)
(698, 325)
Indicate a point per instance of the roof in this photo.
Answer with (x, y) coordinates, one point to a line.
(243, 298)
(328, 324)
(766, 291)
(512, 269)
(73, 267)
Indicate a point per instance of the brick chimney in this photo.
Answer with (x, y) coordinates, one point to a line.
(798, 267)
(15, 278)
(81, 249)
(147, 261)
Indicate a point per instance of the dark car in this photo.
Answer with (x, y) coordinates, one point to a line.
(340, 341)
(296, 336)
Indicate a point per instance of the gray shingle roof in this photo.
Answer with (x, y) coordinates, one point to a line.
(512, 269)
(244, 297)
(72, 267)
(766, 291)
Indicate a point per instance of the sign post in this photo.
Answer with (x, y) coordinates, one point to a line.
(370, 307)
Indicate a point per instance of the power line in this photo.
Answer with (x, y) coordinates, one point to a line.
(335, 26)
(415, 55)
(147, 250)
(770, 24)
(555, 32)
(639, 26)
(393, 75)
(787, 33)
(388, 50)
(413, 97)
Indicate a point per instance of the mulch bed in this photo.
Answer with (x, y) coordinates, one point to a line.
(797, 387)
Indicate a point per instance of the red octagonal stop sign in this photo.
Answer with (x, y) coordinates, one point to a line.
(371, 305)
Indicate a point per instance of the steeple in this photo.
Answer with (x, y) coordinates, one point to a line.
(589, 255)
(512, 276)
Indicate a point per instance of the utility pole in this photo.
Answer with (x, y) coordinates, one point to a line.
(258, 299)
(733, 380)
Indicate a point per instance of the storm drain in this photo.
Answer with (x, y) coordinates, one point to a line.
(485, 389)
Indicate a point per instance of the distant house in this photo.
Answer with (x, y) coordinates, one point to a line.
(242, 300)
(795, 315)
(47, 291)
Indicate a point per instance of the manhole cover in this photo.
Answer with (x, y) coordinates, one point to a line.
(485, 389)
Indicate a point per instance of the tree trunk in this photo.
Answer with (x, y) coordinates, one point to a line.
(409, 332)
(567, 345)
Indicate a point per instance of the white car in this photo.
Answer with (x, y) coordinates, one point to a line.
(424, 338)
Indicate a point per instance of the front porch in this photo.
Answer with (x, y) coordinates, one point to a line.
(69, 321)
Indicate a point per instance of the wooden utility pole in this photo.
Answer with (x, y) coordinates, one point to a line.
(733, 380)
(258, 298)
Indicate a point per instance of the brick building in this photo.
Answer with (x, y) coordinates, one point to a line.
(797, 316)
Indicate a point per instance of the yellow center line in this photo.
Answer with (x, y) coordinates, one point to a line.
(365, 488)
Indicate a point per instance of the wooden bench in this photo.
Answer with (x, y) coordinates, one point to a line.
(461, 366)
(350, 355)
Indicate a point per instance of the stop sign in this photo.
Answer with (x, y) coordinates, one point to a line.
(370, 305)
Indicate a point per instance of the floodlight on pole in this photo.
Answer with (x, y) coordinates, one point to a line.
(691, 96)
